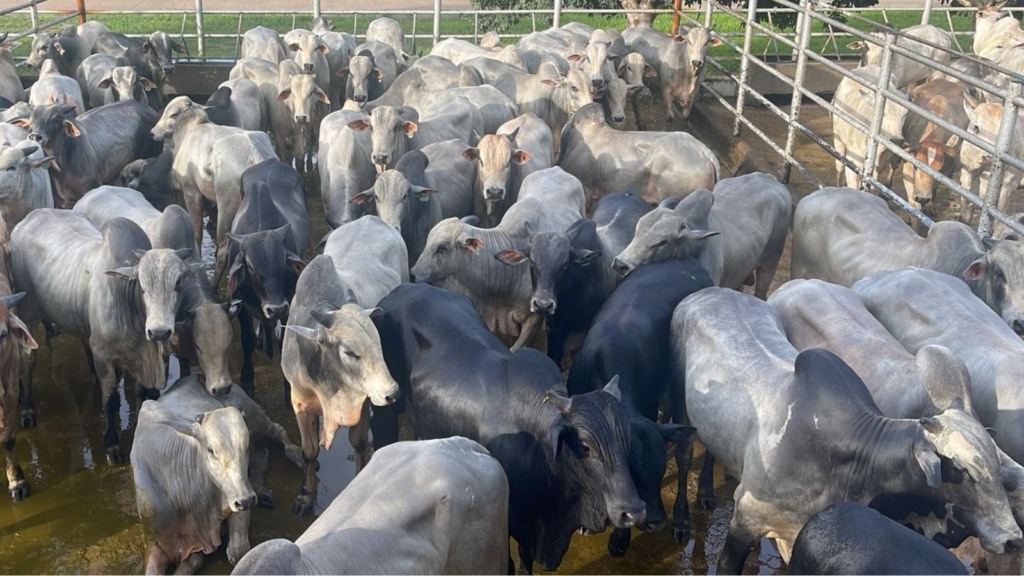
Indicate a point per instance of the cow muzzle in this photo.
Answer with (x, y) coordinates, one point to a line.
(543, 306)
(360, 98)
(168, 68)
(380, 161)
(302, 118)
(307, 68)
(494, 194)
(38, 138)
(622, 268)
(628, 517)
(159, 333)
(275, 311)
(389, 397)
(923, 199)
(242, 504)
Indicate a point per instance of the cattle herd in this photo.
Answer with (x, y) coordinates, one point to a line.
(551, 301)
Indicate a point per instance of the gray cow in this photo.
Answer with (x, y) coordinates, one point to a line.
(657, 165)
(208, 165)
(434, 506)
(759, 406)
(468, 260)
(84, 281)
(64, 47)
(340, 47)
(737, 232)
(152, 57)
(54, 88)
(187, 404)
(305, 48)
(246, 104)
(104, 80)
(343, 159)
(295, 113)
(371, 71)
(264, 43)
(204, 325)
(920, 307)
(521, 147)
(829, 244)
(388, 31)
(328, 328)
(547, 94)
(24, 181)
(10, 83)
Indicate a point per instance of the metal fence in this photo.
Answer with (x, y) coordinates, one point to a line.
(820, 36)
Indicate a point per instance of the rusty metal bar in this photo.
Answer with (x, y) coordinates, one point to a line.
(81, 11)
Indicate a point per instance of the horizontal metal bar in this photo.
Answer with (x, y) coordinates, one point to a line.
(22, 6)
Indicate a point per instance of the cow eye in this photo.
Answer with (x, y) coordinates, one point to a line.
(352, 355)
(661, 243)
(210, 451)
(1000, 277)
(442, 249)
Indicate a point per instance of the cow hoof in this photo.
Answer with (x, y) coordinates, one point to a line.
(681, 534)
(265, 499)
(618, 542)
(114, 457)
(707, 502)
(28, 419)
(303, 506)
(21, 491)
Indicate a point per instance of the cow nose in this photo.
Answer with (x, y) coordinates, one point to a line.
(1012, 546)
(169, 68)
(621, 268)
(158, 334)
(630, 519)
(618, 118)
(308, 67)
(543, 306)
(697, 64)
(275, 311)
(302, 118)
(596, 83)
(360, 98)
(221, 390)
(36, 137)
(380, 158)
(244, 504)
(494, 193)
(922, 199)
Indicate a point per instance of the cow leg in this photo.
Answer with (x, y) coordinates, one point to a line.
(765, 272)
(248, 378)
(684, 458)
(112, 403)
(259, 461)
(527, 331)
(526, 559)
(743, 534)
(238, 536)
(190, 565)
(16, 483)
(26, 400)
(309, 430)
(358, 436)
(156, 560)
(706, 482)
(558, 331)
(195, 212)
(635, 101)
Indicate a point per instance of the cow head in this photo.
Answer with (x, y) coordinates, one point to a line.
(675, 229)
(933, 154)
(571, 92)
(495, 155)
(551, 255)
(16, 166)
(14, 332)
(43, 47)
(211, 331)
(450, 244)
(998, 278)
(392, 193)
(592, 63)
(157, 49)
(633, 70)
(591, 441)
(307, 50)
(391, 128)
(126, 84)
(179, 112)
(223, 440)
(615, 96)
(265, 266)
(50, 125)
(362, 72)
(301, 95)
(159, 273)
(350, 360)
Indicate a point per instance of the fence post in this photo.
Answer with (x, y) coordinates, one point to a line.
(437, 21)
(34, 13)
(200, 29)
(81, 11)
(871, 155)
(748, 38)
(803, 39)
(708, 10)
(316, 9)
(1007, 126)
(556, 16)
(926, 14)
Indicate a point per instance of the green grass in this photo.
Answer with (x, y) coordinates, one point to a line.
(725, 24)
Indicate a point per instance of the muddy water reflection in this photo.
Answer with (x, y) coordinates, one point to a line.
(81, 517)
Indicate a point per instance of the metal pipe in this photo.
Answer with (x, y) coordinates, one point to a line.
(798, 81)
(1007, 125)
(926, 14)
(34, 15)
(556, 14)
(200, 30)
(885, 68)
(676, 6)
(708, 8)
(437, 21)
(81, 11)
(316, 8)
(748, 36)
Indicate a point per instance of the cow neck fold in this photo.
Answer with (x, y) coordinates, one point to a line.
(879, 457)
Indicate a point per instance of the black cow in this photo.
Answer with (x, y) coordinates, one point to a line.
(151, 57)
(566, 459)
(219, 107)
(630, 338)
(65, 47)
(849, 538)
(268, 235)
(91, 150)
(152, 177)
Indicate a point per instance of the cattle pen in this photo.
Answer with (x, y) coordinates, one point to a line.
(766, 101)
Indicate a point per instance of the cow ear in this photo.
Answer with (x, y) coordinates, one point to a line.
(22, 335)
(341, 72)
(520, 157)
(511, 257)
(555, 433)
(232, 307)
(612, 387)
(322, 96)
(22, 122)
(178, 47)
(59, 48)
(928, 460)
(146, 47)
(71, 130)
(976, 270)
(362, 198)
(378, 75)
(715, 41)
(235, 273)
(44, 163)
(583, 257)
(323, 48)
(323, 316)
(127, 273)
(284, 95)
(147, 84)
(12, 300)
(422, 193)
(676, 433)
(575, 57)
(649, 71)
(692, 234)
(856, 45)
(104, 84)
(550, 82)
(373, 313)
(679, 39)
(473, 244)
(349, 297)
(360, 125)
(409, 128)
(139, 253)
(295, 262)
(560, 402)
(471, 154)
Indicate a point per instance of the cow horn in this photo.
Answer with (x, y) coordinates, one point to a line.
(512, 136)
(560, 402)
(350, 297)
(12, 300)
(612, 387)
(27, 150)
(139, 253)
(183, 253)
(323, 317)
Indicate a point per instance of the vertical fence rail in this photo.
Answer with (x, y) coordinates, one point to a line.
(556, 14)
(926, 13)
(803, 40)
(316, 8)
(748, 38)
(871, 153)
(81, 11)
(200, 30)
(34, 14)
(437, 21)
(1007, 125)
